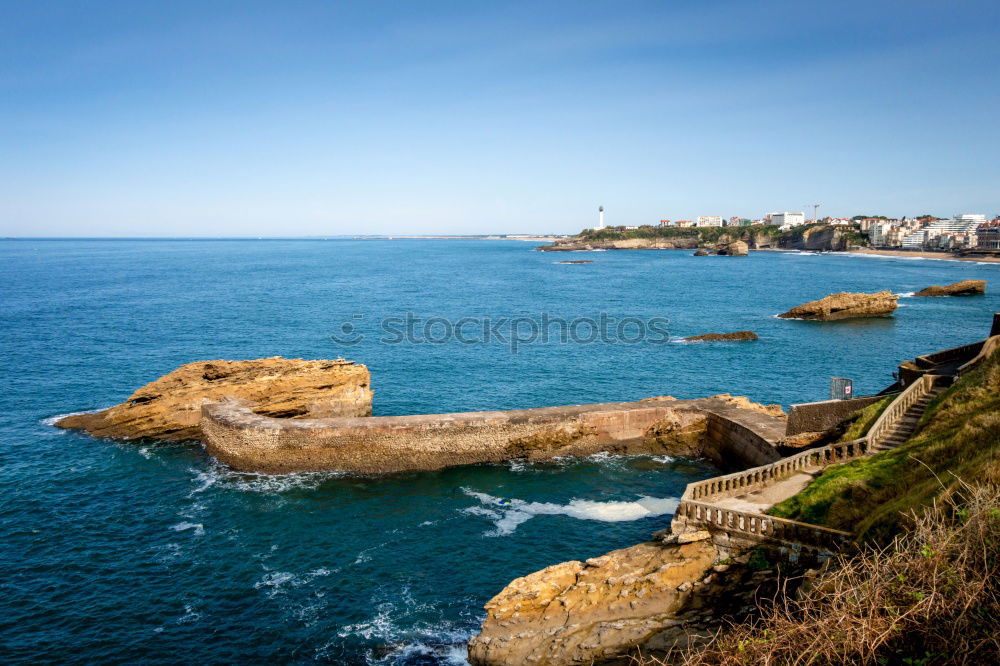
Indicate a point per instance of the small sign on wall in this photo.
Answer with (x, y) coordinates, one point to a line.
(841, 388)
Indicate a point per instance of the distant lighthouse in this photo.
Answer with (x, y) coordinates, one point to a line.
(600, 213)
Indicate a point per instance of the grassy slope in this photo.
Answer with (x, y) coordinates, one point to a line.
(959, 438)
(863, 419)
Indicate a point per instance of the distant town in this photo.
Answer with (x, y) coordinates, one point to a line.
(961, 233)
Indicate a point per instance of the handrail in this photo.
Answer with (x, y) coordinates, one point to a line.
(695, 501)
(760, 477)
(898, 407)
(989, 345)
(945, 355)
(760, 524)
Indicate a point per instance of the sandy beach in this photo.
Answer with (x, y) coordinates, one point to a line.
(925, 255)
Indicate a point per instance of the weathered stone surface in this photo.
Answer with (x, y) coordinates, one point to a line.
(738, 335)
(845, 305)
(733, 249)
(170, 407)
(576, 244)
(821, 237)
(963, 288)
(579, 612)
(701, 252)
(730, 430)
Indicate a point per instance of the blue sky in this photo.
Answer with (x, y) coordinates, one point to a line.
(313, 118)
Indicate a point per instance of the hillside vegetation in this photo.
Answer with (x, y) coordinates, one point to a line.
(958, 438)
(791, 238)
(704, 234)
(932, 596)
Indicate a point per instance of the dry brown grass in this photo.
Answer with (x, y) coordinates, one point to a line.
(932, 596)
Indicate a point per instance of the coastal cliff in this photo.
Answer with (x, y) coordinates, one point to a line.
(716, 239)
(719, 240)
(821, 238)
(170, 407)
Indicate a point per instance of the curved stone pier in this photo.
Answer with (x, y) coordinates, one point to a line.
(719, 428)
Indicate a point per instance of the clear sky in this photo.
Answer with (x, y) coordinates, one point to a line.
(248, 118)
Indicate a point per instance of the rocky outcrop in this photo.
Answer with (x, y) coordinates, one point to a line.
(701, 252)
(821, 237)
(649, 598)
(578, 612)
(733, 249)
(738, 335)
(170, 407)
(577, 244)
(845, 305)
(963, 288)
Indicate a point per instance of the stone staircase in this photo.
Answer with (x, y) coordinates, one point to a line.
(907, 424)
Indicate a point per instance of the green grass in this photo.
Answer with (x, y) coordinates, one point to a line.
(865, 418)
(959, 438)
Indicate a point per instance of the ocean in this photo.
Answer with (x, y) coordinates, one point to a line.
(120, 552)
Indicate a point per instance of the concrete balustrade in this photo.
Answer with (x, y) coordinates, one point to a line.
(990, 345)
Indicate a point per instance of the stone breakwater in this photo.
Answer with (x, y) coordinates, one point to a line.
(170, 407)
(731, 431)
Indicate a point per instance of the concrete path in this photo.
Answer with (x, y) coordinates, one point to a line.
(761, 500)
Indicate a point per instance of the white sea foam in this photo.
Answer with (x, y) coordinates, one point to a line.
(190, 615)
(198, 528)
(507, 514)
(51, 421)
(218, 475)
(274, 583)
(905, 294)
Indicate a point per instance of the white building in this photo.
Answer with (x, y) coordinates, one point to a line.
(962, 224)
(788, 220)
(877, 233)
(708, 221)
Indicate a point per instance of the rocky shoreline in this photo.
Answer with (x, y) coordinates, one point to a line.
(734, 241)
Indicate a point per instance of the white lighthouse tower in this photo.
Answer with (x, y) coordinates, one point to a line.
(600, 212)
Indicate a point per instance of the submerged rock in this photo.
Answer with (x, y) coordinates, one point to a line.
(963, 288)
(170, 407)
(845, 305)
(701, 253)
(738, 335)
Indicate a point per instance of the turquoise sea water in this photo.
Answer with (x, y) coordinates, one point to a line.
(124, 552)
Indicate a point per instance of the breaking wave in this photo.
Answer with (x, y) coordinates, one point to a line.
(220, 476)
(507, 514)
(51, 421)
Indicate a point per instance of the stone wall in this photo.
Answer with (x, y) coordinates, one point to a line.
(823, 415)
(738, 440)
(237, 436)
